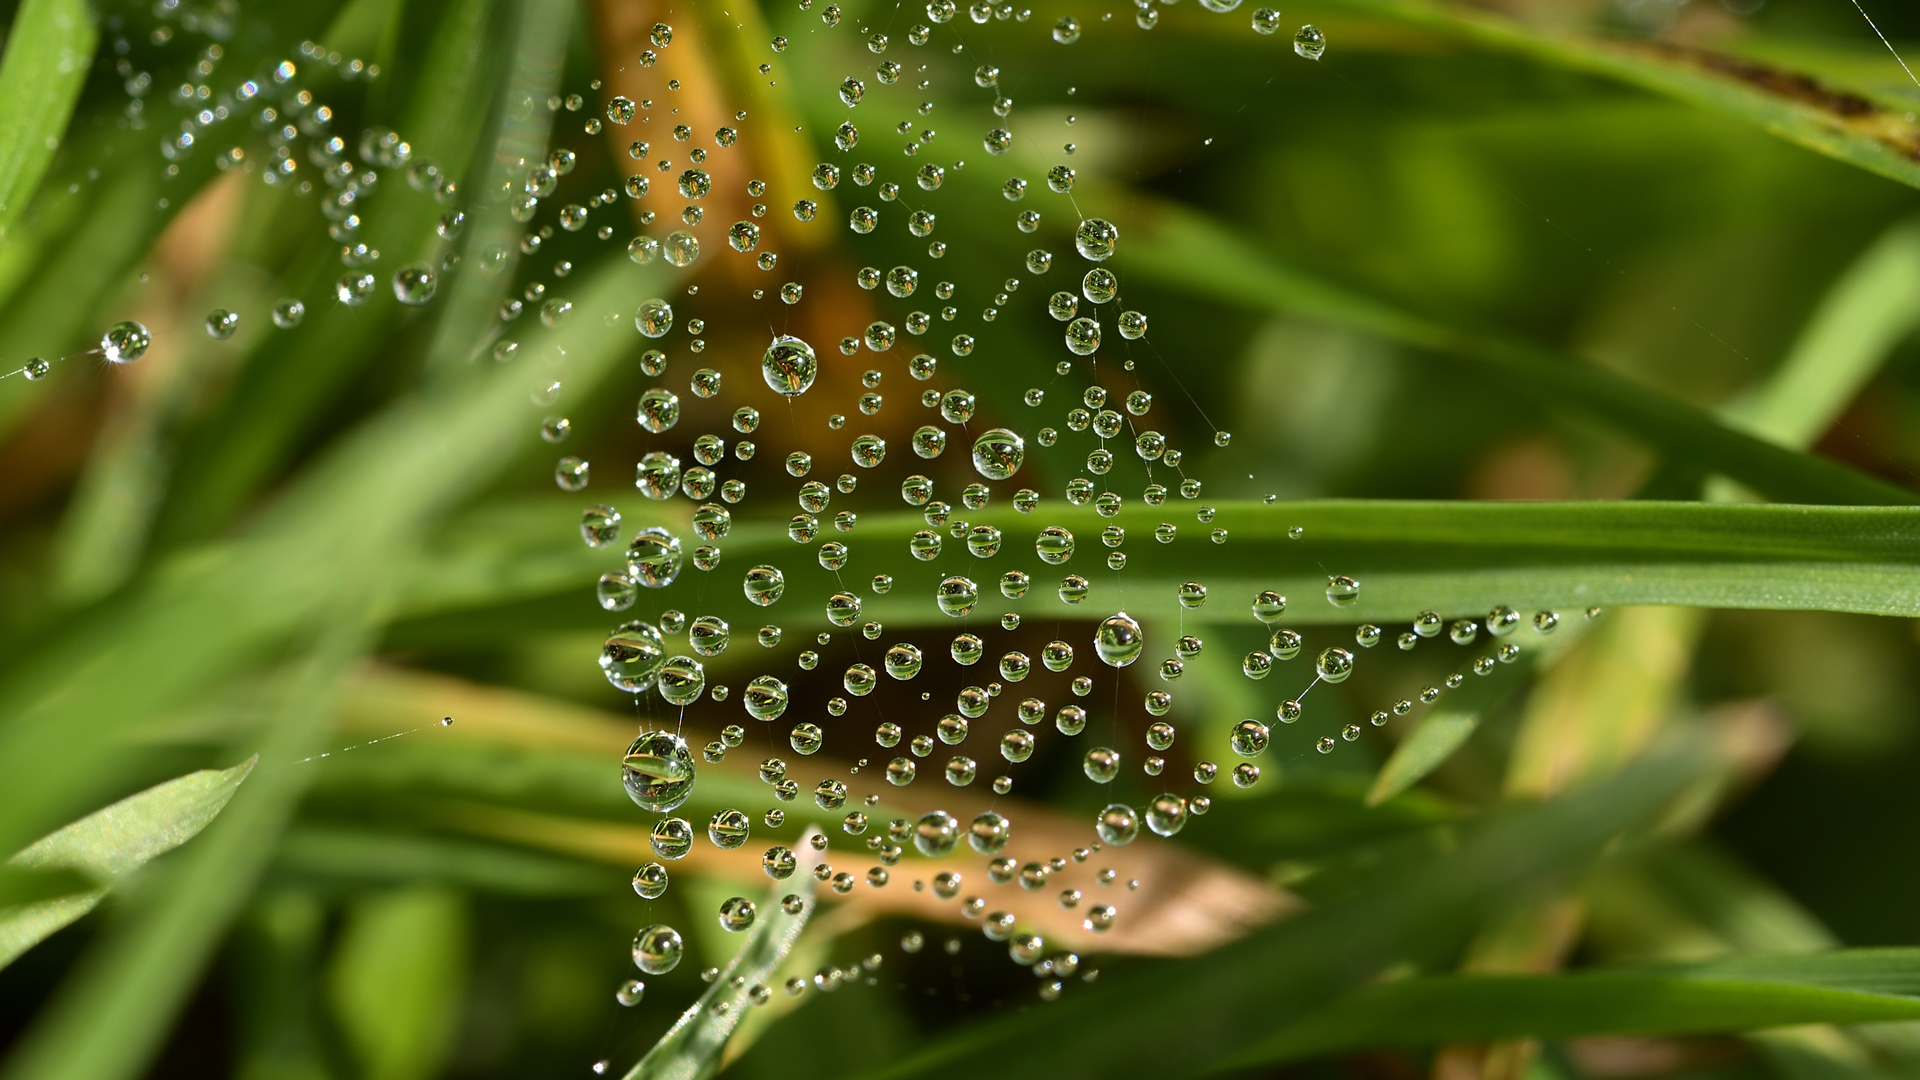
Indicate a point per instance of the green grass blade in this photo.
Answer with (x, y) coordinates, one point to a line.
(49, 51)
(1800, 106)
(522, 136)
(113, 842)
(691, 1049)
(1850, 987)
(121, 838)
(1860, 320)
(1184, 251)
(1425, 749)
(1418, 911)
(395, 980)
(289, 383)
(1459, 558)
(135, 979)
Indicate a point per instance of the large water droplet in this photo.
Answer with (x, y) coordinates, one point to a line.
(125, 342)
(658, 771)
(1117, 825)
(936, 834)
(998, 454)
(657, 949)
(632, 656)
(1118, 640)
(789, 366)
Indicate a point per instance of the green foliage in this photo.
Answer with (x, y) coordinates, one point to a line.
(107, 845)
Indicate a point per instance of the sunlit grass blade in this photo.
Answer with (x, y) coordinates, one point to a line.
(113, 842)
(49, 51)
(134, 979)
(1862, 318)
(1459, 558)
(1850, 987)
(691, 1049)
(1425, 749)
(1183, 251)
(1801, 106)
(1417, 911)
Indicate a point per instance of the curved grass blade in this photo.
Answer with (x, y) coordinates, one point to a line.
(136, 977)
(287, 386)
(1417, 911)
(1185, 251)
(1862, 317)
(1799, 106)
(691, 1049)
(113, 842)
(1458, 558)
(49, 50)
(1425, 749)
(1848, 987)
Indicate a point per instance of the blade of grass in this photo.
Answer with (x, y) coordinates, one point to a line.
(691, 1049)
(1412, 911)
(1459, 558)
(1744, 994)
(135, 979)
(49, 51)
(1795, 105)
(113, 842)
(1184, 251)
(522, 136)
(395, 980)
(1862, 317)
(208, 613)
(1425, 749)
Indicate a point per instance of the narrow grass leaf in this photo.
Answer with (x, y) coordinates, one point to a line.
(1862, 317)
(691, 1049)
(1185, 251)
(1801, 106)
(1425, 749)
(49, 50)
(112, 843)
(1848, 987)
(1458, 558)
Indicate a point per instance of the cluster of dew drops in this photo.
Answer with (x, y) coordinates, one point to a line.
(292, 143)
(272, 124)
(659, 766)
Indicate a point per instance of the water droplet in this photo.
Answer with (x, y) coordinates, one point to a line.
(1118, 640)
(658, 772)
(632, 656)
(125, 342)
(1101, 764)
(1167, 814)
(1249, 738)
(657, 949)
(1096, 238)
(1334, 665)
(1117, 824)
(1309, 42)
